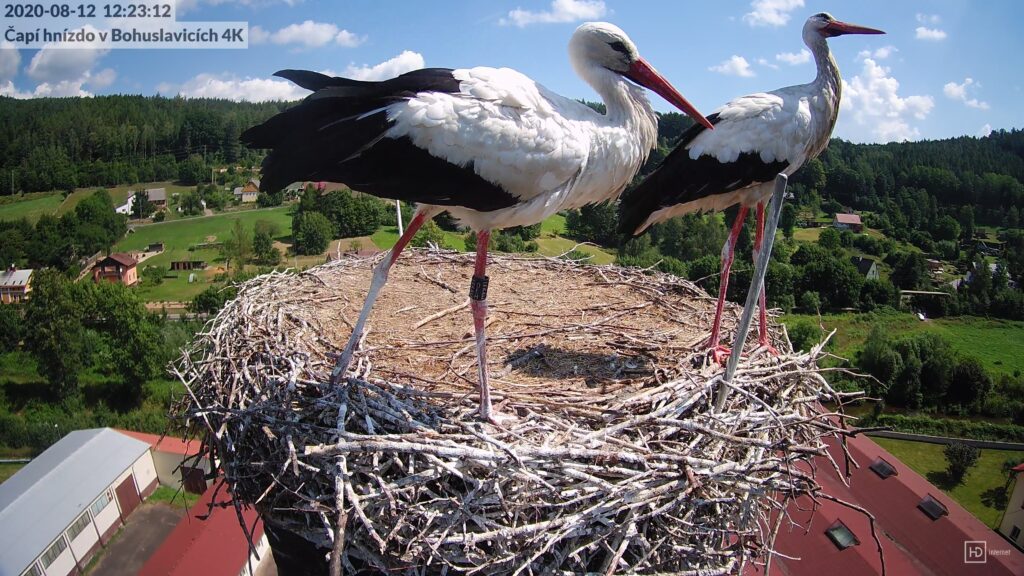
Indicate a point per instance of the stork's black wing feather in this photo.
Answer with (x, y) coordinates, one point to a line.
(337, 134)
(680, 179)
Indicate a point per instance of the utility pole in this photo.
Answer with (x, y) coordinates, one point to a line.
(398, 211)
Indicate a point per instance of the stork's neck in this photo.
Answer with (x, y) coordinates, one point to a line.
(626, 104)
(828, 79)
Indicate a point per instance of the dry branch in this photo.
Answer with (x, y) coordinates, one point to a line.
(614, 461)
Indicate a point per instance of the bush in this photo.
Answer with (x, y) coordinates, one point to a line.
(953, 428)
(803, 335)
(429, 233)
(960, 458)
(312, 232)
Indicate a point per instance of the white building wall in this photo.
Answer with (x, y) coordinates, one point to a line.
(108, 516)
(62, 566)
(1014, 515)
(81, 545)
(144, 470)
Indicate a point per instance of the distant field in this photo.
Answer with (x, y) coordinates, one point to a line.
(179, 235)
(31, 206)
(9, 469)
(998, 344)
(807, 234)
(979, 493)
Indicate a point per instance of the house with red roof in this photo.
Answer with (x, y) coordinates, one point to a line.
(848, 222)
(919, 529)
(117, 267)
(1012, 524)
(210, 541)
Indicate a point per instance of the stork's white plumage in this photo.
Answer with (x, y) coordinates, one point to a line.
(756, 137)
(489, 145)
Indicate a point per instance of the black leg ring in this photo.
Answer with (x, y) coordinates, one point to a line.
(478, 288)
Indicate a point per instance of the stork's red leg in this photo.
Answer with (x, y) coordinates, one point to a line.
(728, 251)
(478, 303)
(763, 339)
(380, 277)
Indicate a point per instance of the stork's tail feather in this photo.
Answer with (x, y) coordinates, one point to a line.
(341, 118)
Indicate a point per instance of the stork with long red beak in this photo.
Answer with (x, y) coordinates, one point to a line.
(489, 145)
(756, 137)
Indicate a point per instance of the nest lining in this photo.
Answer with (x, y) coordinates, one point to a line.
(614, 461)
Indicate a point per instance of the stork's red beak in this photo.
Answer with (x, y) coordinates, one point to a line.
(645, 75)
(837, 28)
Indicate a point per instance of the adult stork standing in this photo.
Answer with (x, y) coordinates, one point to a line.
(489, 145)
(756, 137)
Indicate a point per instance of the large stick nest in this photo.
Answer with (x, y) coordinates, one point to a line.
(615, 460)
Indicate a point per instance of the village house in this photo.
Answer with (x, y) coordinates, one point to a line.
(848, 222)
(867, 267)
(1012, 525)
(158, 196)
(248, 193)
(15, 285)
(117, 267)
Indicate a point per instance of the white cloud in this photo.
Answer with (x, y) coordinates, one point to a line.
(57, 64)
(10, 60)
(932, 19)
(771, 12)
(561, 11)
(734, 66)
(8, 89)
(984, 131)
(955, 91)
(404, 62)
(878, 112)
(309, 34)
(102, 79)
(766, 63)
(231, 87)
(932, 34)
(879, 54)
(795, 58)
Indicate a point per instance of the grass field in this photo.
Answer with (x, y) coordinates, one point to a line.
(179, 235)
(982, 491)
(173, 497)
(998, 344)
(31, 206)
(8, 469)
(549, 242)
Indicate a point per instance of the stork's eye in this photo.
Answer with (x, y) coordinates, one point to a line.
(619, 47)
(824, 16)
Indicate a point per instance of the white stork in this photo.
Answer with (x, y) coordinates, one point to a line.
(756, 137)
(489, 145)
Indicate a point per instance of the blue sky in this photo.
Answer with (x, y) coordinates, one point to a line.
(945, 68)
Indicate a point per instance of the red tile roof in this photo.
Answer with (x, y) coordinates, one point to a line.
(122, 258)
(912, 542)
(166, 444)
(213, 546)
(848, 218)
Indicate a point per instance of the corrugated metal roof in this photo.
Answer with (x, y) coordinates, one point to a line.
(155, 194)
(15, 278)
(45, 496)
(209, 540)
(848, 218)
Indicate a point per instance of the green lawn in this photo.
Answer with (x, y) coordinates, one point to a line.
(179, 235)
(8, 469)
(173, 497)
(549, 243)
(982, 491)
(31, 206)
(807, 234)
(998, 344)
(118, 195)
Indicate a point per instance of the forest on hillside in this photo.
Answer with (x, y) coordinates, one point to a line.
(63, 143)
